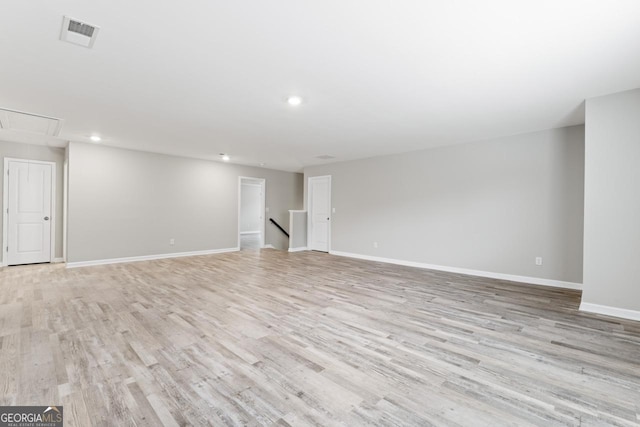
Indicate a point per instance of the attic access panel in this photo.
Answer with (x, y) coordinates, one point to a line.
(29, 122)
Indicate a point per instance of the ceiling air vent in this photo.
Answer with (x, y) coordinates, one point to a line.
(77, 32)
(28, 122)
(325, 157)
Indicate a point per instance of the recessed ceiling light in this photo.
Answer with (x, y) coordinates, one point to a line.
(225, 157)
(95, 138)
(294, 100)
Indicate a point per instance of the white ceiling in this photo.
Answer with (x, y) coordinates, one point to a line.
(201, 77)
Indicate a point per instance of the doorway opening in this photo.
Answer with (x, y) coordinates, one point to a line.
(28, 214)
(251, 211)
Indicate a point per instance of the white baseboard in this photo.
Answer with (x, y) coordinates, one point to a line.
(298, 249)
(610, 311)
(268, 246)
(250, 232)
(148, 257)
(491, 275)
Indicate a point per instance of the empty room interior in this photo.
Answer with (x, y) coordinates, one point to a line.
(321, 213)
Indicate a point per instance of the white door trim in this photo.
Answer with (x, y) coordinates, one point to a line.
(263, 198)
(310, 213)
(5, 206)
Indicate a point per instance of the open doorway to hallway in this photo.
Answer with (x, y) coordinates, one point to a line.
(251, 213)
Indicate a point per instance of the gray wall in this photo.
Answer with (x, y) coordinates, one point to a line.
(298, 229)
(491, 206)
(43, 153)
(612, 201)
(126, 203)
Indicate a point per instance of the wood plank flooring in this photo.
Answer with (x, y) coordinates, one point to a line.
(271, 338)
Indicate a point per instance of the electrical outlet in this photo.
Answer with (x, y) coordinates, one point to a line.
(538, 260)
(375, 245)
(172, 242)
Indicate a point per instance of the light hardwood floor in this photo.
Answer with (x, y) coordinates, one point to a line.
(272, 338)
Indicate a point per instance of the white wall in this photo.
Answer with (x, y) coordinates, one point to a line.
(250, 206)
(612, 202)
(125, 203)
(491, 206)
(42, 153)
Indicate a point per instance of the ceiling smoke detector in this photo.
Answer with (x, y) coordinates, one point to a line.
(77, 32)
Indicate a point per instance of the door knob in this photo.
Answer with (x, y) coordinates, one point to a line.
(46, 218)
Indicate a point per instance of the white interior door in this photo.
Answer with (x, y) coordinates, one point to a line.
(29, 212)
(320, 213)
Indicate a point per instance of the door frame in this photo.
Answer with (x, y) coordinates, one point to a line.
(263, 198)
(310, 213)
(5, 206)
